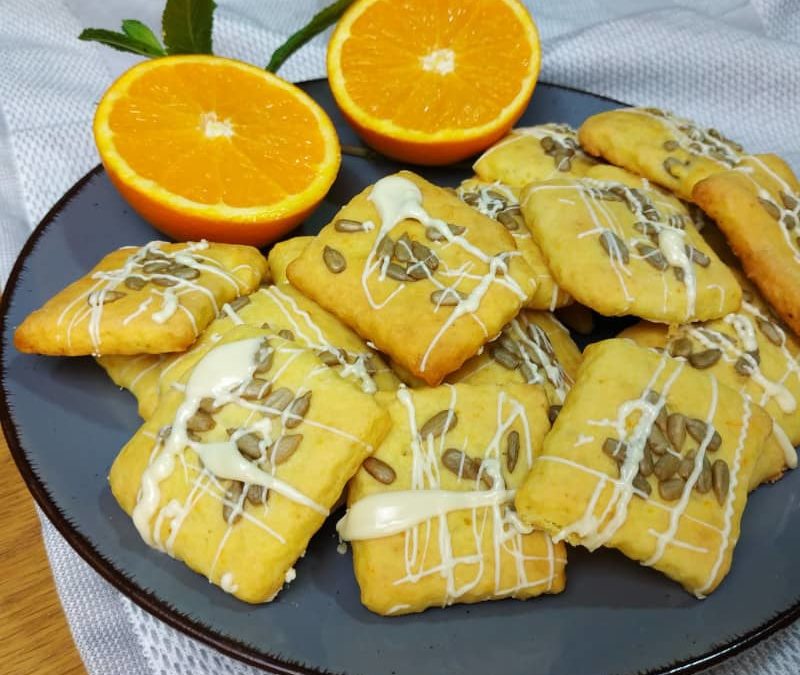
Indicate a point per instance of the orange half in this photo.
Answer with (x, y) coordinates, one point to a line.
(433, 81)
(206, 147)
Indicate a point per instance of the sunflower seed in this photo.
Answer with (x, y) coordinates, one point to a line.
(681, 347)
(200, 421)
(615, 449)
(677, 220)
(334, 260)
(371, 363)
(184, 272)
(165, 282)
(447, 297)
(645, 228)
(789, 221)
(671, 489)
(715, 442)
(164, 432)
(256, 494)
(284, 448)
(461, 464)
(504, 357)
(695, 147)
(232, 515)
(193, 436)
(676, 430)
(331, 357)
(135, 283)
(256, 389)
(720, 480)
(379, 470)
(686, 466)
(286, 334)
(652, 397)
(614, 246)
(156, 267)
(510, 219)
(642, 484)
(771, 208)
(298, 410)
(696, 428)
(470, 198)
(671, 145)
(705, 359)
(439, 424)
(385, 247)
(666, 466)
(678, 272)
(238, 303)
(97, 298)
(770, 330)
(277, 401)
(669, 165)
(425, 255)
(512, 450)
(155, 254)
(698, 256)
(510, 344)
(417, 271)
(704, 480)
(744, 366)
(249, 445)
(788, 201)
(347, 225)
(646, 463)
(264, 358)
(529, 373)
(402, 249)
(207, 405)
(652, 255)
(552, 412)
(657, 441)
(396, 272)
(548, 143)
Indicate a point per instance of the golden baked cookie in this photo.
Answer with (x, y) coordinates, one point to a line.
(651, 457)
(445, 475)
(281, 308)
(530, 154)
(757, 207)
(533, 348)
(282, 253)
(416, 271)
(628, 250)
(237, 470)
(750, 352)
(501, 203)
(147, 300)
(669, 150)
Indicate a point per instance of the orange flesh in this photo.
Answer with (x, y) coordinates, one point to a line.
(390, 40)
(252, 146)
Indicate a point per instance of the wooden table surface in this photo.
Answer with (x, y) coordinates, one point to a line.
(34, 635)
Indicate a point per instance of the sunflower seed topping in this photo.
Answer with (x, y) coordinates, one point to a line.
(334, 260)
(347, 225)
(233, 494)
(284, 448)
(298, 410)
(512, 450)
(705, 359)
(379, 470)
(720, 480)
(771, 208)
(439, 424)
(614, 246)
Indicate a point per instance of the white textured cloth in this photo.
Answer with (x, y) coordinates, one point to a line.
(730, 63)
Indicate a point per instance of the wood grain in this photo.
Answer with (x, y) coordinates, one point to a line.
(34, 636)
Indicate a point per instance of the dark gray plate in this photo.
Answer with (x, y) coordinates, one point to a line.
(65, 421)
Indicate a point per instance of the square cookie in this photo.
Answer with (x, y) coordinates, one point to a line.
(281, 308)
(757, 207)
(235, 471)
(530, 154)
(420, 274)
(621, 249)
(501, 203)
(651, 457)
(445, 476)
(147, 300)
(669, 150)
(751, 353)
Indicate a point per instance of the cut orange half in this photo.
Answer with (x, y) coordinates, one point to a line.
(206, 147)
(433, 81)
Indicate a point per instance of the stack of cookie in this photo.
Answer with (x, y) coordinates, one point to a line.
(409, 358)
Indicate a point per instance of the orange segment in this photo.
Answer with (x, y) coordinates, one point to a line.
(433, 81)
(206, 147)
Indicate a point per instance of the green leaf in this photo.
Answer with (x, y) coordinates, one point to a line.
(319, 22)
(136, 30)
(120, 41)
(186, 25)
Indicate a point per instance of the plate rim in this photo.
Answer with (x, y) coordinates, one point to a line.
(197, 630)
